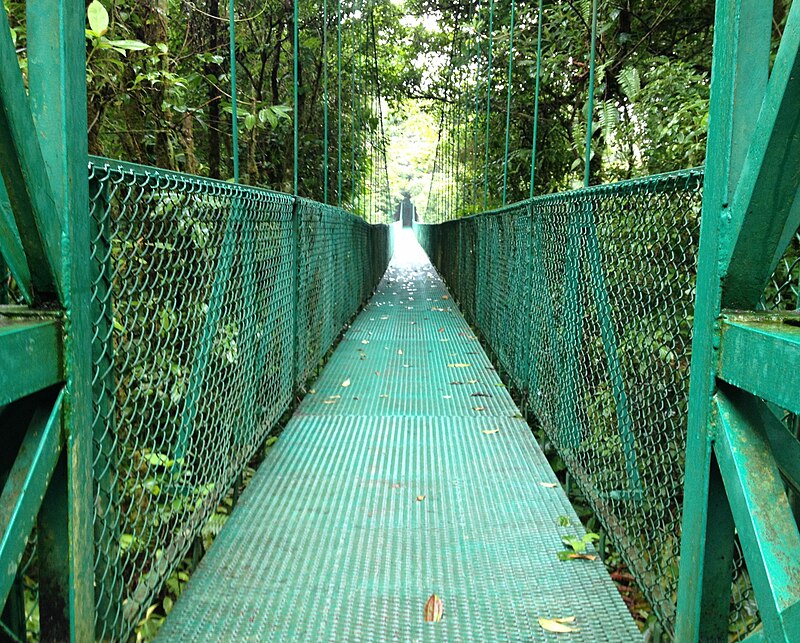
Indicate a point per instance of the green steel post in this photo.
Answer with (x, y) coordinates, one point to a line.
(57, 87)
(536, 96)
(12, 252)
(740, 63)
(234, 98)
(508, 100)
(590, 102)
(26, 176)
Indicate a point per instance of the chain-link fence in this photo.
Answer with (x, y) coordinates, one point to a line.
(586, 299)
(212, 304)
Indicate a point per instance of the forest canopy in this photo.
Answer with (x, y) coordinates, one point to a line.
(394, 73)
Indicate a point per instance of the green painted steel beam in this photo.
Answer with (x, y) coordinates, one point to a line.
(704, 579)
(25, 175)
(11, 250)
(30, 361)
(763, 218)
(57, 86)
(760, 353)
(764, 521)
(25, 488)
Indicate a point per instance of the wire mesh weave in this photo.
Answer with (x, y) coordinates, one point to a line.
(212, 303)
(586, 299)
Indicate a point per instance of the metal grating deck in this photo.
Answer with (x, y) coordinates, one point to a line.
(329, 541)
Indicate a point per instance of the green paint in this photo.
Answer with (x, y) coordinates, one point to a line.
(26, 484)
(590, 100)
(234, 94)
(12, 253)
(488, 106)
(508, 99)
(30, 356)
(536, 96)
(25, 174)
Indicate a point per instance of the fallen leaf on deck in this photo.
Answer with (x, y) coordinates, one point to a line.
(400, 352)
(441, 330)
(365, 341)
(459, 365)
(329, 402)
(434, 609)
(549, 485)
(455, 383)
(420, 498)
(445, 296)
(479, 394)
(490, 431)
(558, 624)
(346, 383)
(574, 555)
(472, 381)
(478, 408)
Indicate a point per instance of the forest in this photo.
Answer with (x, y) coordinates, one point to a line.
(159, 89)
(464, 106)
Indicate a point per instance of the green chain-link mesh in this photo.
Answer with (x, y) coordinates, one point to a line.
(212, 304)
(586, 300)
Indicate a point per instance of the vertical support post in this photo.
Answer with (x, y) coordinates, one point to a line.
(57, 87)
(738, 80)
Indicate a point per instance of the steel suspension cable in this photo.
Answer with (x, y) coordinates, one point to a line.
(295, 95)
(234, 106)
(508, 100)
(590, 103)
(488, 106)
(325, 99)
(339, 103)
(536, 96)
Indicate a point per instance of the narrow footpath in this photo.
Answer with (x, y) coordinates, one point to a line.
(405, 472)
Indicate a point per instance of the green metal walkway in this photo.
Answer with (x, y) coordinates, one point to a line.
(405, 472)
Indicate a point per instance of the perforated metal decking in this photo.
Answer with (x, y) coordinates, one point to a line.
(330, 542)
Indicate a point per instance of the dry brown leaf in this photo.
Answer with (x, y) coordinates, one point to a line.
(346, 383)
(445, 296)
(549, 485)
(478, 408)
(490, 431)
(459, 365)
(434, 609)
(577, 555)
(558, 625)
(420, 498)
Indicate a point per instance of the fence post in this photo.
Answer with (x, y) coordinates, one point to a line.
(57, 88)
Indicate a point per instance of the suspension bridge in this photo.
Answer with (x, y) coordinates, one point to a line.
(157, 327)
